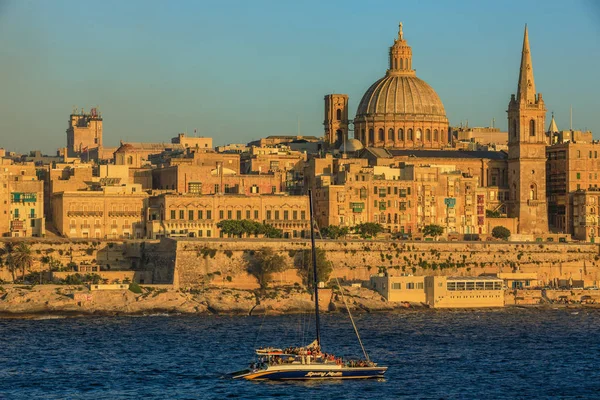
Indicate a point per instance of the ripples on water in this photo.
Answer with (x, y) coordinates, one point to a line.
(511, 353)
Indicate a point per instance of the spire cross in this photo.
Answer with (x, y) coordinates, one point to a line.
(400, 34)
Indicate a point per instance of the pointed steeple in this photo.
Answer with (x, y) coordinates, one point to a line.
(526, 89)
(553, 128)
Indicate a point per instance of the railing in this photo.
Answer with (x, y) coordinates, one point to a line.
(126, 226)
(124, 213)
(85, 226)
(72, 226)
(85, 213)
(114, 226)
(97, 226)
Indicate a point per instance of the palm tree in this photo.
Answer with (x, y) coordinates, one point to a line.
(22, 258)
(6, 258)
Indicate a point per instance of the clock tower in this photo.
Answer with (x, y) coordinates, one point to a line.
(527, 152)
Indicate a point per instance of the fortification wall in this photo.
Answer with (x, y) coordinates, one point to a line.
(224, 262)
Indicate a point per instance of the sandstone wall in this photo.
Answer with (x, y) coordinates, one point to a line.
(219, 261)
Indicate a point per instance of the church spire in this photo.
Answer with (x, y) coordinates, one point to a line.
(553, 128)
(526, 89)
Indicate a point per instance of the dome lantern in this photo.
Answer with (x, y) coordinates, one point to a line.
(400, 56)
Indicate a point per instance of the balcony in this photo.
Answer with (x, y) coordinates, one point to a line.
(126, 226)
(73, 227)
(533, 203)
(97, 226)
(114, 226)
(85, 226)
(84, 213)
(124, 214)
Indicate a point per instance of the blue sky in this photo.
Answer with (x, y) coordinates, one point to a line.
(239, 70)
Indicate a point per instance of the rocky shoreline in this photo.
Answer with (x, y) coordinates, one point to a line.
(48, 301)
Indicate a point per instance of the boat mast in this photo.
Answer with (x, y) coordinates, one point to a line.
(314, 263)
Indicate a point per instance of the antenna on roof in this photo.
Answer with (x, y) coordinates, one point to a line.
(571, 118)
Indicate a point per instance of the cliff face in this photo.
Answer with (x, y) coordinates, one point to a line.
(17, 300)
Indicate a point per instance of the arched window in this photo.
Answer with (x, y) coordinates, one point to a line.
(532, 192)
(410, 134)
(435, 135)
(363, 137)
(400, 134)
(130, 160)
(514, 128)
(371, 136)
(532, 128)
(428, 135)
(391, 135)
(338, 114)
(381, 136)
(419, 135)
(401, 64)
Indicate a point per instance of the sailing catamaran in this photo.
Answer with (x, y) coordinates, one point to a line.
(309, 362)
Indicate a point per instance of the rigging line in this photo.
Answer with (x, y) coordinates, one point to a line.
(260, 328)
(348, 308)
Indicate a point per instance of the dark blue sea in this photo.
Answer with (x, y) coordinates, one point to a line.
(504, 354)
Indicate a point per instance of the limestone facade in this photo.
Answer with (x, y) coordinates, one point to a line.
(216, 180)
(586, 214)
(84, 132)
(195, 215)
(193, 142)
(571, 166)
(110, 212)
(336, 119)
(21, 201)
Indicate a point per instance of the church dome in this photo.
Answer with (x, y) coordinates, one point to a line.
(351, 145)
(401, 110)
(401, 94)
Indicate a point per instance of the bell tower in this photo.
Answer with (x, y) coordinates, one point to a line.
(527, 151)
(336, 119)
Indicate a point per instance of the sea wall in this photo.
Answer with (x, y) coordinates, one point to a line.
(224, 261)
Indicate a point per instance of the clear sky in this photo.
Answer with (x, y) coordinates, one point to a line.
(239, 70)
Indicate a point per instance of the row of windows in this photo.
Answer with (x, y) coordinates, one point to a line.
(249, 214)
(383, 191)
(594, 153)
(393, 136)
(409, 285)
(471, 285)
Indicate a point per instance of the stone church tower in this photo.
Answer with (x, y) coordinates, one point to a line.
(336, 119)
(527, 151)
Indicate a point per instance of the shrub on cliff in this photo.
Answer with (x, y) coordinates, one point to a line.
(135, 288)
(433, 230)
(335, 231)
(304, 265)
(264, 264)
(500, 232)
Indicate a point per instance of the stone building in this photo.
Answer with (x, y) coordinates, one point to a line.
(572, 165)
(216, 180)
(193, 215)
(84, 132)
(21, 201)
(403, 200)
(193, 142)
(586, 214)
(336, 119)
(103, 212)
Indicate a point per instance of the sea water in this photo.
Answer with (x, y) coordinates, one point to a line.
(509, 353)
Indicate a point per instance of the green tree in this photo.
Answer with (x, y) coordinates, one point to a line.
(433, 230)
(305, 269)
(271, 232)
(493, 214)
(500, 232)
(231, 227)
(368, 229)
(22, 257)
(264, 263)
(335, 231)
